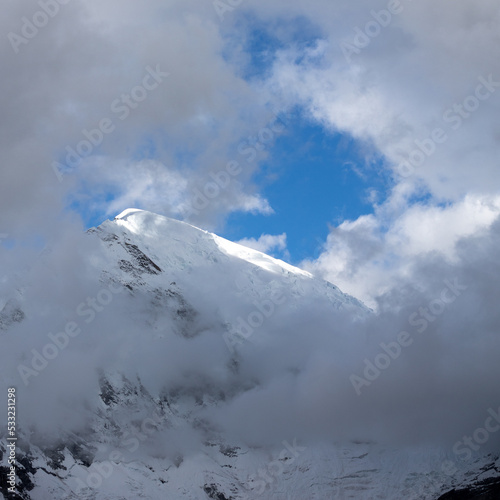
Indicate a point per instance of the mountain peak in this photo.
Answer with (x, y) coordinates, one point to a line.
(154, 226)
(179, 247)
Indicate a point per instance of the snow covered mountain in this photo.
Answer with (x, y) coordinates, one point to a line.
(164, 377)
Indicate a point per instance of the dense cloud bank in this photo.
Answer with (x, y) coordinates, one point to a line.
(423, 368)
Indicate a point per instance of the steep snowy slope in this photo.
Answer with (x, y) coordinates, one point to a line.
(180, 247)
(180, 329)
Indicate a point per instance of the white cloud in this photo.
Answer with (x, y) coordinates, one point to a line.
(71, 76)
(252, 203)
(369, 256)
(437, 229)
(267, 243)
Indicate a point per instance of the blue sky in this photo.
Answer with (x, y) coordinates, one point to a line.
(312, 178)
